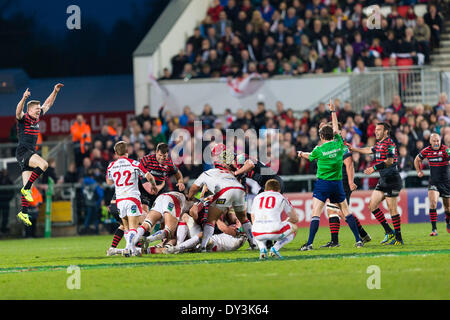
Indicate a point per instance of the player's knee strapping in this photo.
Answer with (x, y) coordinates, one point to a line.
(148, 223)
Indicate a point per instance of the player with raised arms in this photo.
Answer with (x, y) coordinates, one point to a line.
(266, 213)
(124, 174)
(329, 185)
(31, 164)
(438, 156)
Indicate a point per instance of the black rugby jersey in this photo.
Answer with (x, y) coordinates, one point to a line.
(438, 162)
(260, 173)
(383, 150)
(28, 131)
(161, 172)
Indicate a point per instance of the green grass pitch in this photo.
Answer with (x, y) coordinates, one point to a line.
(37, 269)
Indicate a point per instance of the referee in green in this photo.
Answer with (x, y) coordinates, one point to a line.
(329, 178)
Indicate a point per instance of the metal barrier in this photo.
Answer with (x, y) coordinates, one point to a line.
(413, 84)
(61, 151)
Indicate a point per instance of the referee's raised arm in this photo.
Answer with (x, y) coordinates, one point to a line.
(334, 121)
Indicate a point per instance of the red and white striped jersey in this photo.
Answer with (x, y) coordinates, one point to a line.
(217, 179)
(267, 208)
(126, 173)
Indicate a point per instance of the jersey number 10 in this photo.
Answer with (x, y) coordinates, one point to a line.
(268, 203)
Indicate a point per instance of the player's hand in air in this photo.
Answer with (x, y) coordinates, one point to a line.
(26, 94)
(369, 170)
(420, 174)
(58, 87)
(331, 106)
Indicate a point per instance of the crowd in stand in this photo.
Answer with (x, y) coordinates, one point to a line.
(293, 37)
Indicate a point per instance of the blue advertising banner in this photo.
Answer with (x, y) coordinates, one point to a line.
(419, 204)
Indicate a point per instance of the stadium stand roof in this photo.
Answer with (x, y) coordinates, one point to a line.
(80, 94)
(161, 27)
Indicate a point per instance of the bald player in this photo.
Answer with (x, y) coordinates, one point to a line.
(438, 156)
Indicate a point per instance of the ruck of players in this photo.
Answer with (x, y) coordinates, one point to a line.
(213, 213)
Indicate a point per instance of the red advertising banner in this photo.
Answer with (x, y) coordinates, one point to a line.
(359, 202)
(59, 124)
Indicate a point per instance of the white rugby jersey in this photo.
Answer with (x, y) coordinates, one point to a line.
(126, 173)
(267, 208)
(217, 179)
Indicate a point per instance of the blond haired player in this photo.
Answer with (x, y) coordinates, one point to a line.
(266, 213)
(124, 173)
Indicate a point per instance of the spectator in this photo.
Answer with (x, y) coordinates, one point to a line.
(93, 197)
(178, 63)
(166, 75)
(215, 10)
(434, 21)
(81, 138)
(397, 106)
(331, 62)
(221, 25)
(360, 67)
(443, 101)
(422, 34)
(207, 117)
(266, 10)
(71, 175)
(232, 10)
(144, 116)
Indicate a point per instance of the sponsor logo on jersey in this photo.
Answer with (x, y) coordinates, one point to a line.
(133, 209)
(170, 206)
(221, 201)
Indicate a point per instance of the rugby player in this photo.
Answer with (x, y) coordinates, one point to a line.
(438, 156)
(31, 164)
(389, 184)
(329, 178)
(267, 225)
(161, 167)
(225, 238)
(227, 193)
(124, 173)
(167, 208)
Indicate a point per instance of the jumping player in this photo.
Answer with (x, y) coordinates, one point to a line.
(31, 164)
(439, 185)
(124, 173)
(329, 183)
(267, 225)
(389, 184)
